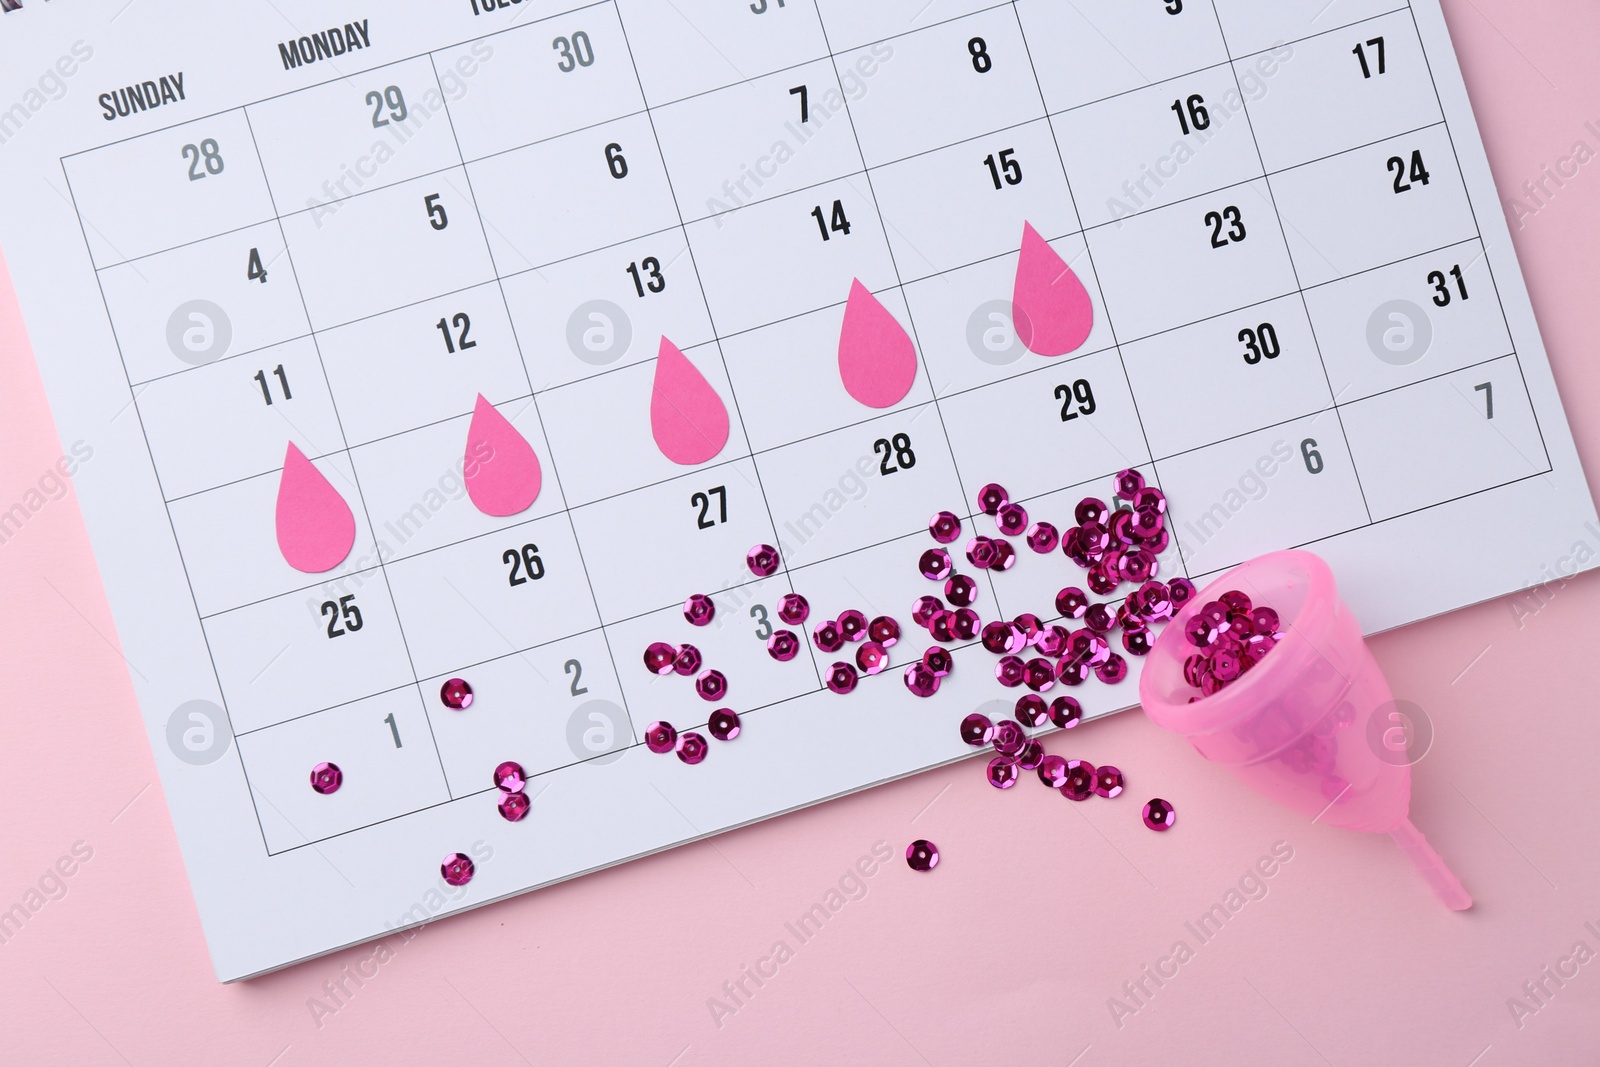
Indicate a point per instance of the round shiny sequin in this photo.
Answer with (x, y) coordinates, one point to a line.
(884, 630)
(1264, 620)
(1099, 619)
(1072, 602)
(724, 724)
(939, 661)
(762, 561)
(793, 609)
(1065, 712)
(964, 624)
(1129, 482)
(841, 677)
(1113, 670)
(510, 778)
(660, 737)
(699, 610)
(922, 856)
(1107, 781)
(996, 638)
(711, 685)
(689, 660)
(993, 497)
(828, 637)
(1069, 672)
(1030, 624)
(1090, 509)
(1052, 641)
(940, 626)
(853, 624)
(457, 869)
(960, 590)
(692, 748)
(1031, 710)
(1012, 520)
(1003, 772)
(1031, 756)
(1236, 601)
(1181, 590)
(1053, 771)
(1159, 814)
(926, 607)
(326, 778)
(1043, 537)
(1136, 642)
(981, 552)
(1010, 671)
(921, 680)
(977, 730)
(1005, 557)
(945, 527)
(1008, 737)
(1039, 675)
(871, 657)
(1101, 581)
(935, 565)
(1079, 783)
(514, 806)
(457, 692)
(783, 645)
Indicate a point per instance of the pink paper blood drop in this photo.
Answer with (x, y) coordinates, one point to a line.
(877, 361)
(315, 526)
(687, 416)
(1050, 307)
(502, 472)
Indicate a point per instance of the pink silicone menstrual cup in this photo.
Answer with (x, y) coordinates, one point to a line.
(1295, 727)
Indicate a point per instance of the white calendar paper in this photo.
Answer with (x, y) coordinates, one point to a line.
(238, 230)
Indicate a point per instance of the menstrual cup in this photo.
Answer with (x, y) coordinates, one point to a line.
(1294, 727)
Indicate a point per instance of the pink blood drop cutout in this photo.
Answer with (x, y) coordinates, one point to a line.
(877, 361)
(1050, 307)
(687, 417)
(502, 471)
(315, 526)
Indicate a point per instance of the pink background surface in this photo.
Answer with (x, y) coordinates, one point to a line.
(1041, 909)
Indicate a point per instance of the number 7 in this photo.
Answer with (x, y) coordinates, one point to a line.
(805, 102)
(1487, 389)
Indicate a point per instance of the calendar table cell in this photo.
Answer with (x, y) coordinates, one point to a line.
(361, 256)
(423, 363)
(851, 25)
(1337, 91)
(860, 486)
(550, 77)
(384, 749)
(948, 83)
(229, 541)
(967, 203)
(528, 708)
(1093, 49)
(505, 592)
(1078, 412)
(1445, 437)
(1397, 199)
(414, 489)
(231, 420)
(693, 46)
(1227, 375)
(1255, 25)
(203, 302)
(801, 250)
(758, 139)
(813, 398)
(883, 580)
(608, 309)
(965, 320)
(600, 434)
(1157, 146)
(308, 651)
(335, 140)
(1214, 254)
(168, 188)
(1280, 487)
(732, 644)
(653, 547)
(587, 190)
(1415, 319)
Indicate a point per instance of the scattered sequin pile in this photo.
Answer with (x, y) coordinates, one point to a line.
(1231, 635)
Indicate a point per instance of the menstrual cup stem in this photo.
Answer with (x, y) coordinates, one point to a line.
(1446, 886)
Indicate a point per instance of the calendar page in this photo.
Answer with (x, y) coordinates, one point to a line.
(458, 393)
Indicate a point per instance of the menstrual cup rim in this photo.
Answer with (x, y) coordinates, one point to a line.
(1227, 708)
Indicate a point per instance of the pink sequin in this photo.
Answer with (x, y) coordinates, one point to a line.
(871, 657)
(1053, 771)
(1052, 641)
(841, 677)
(1181, 590)
(724, 724)
(941, 626)
(457, 869)
(699, 610)
(935, 564)
(853, 624)
(828, 637)
(945, 527)
(711, 685)
(920, 680)
(993, 497)
(1072, 602)
(1005, 557)
(1129, 482)
(964, 624)
(977, 730)
(793, 609)
(1012, 520)
(660, 737)
(692, 748)
(509, 777)
(1043, 537)
(1159, 815)
(689, 660)
(1003, 772)
(960, 590)
(1065, 712)
(763, 561)
(1069, 672)
(981, 552)
(514, 806)
(326, 778)
(1010, 671)
(926, 607)
(884, 630)
(922, 856)
(783, 645)
(1031, 756)
(1039, 675)
(457, 693)
(1008, 737)
(939, 661)
(1079, 784)
(1108, 781)
(1031, 710)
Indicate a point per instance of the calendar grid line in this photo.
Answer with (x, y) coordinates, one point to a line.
(522, 359)
(354, 474)
(1088, 246)
(1294, 268)
(733, 393)
(188, 579)
(1473, 208)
